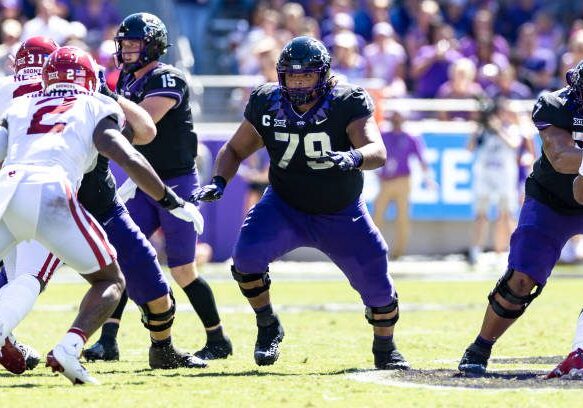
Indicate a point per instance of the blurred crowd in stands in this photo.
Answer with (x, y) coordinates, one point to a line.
(420, 48)
(89, 24)
(426, 48)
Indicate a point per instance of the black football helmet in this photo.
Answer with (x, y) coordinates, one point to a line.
(575, 82)
(148, 28)
(301, 55)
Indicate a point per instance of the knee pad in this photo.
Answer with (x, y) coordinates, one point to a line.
(370, 311)
(503, 289)
(167, 316)
(250, 277)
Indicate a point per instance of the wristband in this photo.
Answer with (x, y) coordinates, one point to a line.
(170, 200)
(219, 181)
(358, 158)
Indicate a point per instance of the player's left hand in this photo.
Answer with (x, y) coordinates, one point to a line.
(210, 192)
(349, 160)
(183, 210)
(103, 88)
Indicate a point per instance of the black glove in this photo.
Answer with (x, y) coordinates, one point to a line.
(104, 89)
(170, 200)
(349, 160)
(210, 192)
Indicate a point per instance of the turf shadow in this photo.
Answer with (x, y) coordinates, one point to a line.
(247, 373)
(528, 360)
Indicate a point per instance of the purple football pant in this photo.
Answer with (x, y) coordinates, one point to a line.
(180, 235)
(535, 245)
(3, 277)
(136, 256)
(349, 237)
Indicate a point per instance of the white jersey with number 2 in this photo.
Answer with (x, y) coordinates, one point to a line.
(49, 147)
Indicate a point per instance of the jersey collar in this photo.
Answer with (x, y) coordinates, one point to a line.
(285, 111)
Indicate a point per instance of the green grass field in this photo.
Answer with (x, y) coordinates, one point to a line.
(323, 352)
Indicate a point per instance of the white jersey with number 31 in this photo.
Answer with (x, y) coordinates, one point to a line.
(12, 87)
(57, 131)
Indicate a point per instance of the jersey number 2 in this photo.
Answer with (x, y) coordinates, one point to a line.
(36, 127)
(315, 146)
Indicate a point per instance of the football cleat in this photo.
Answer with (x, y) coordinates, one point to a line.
(215, 350)
(101, 350)
(267, 344)
(572, 366)
(30, 355)
(64, 362)
(391, 361)
(168, 357)
(474, 361)
(12, 357)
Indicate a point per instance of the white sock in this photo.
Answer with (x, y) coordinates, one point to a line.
(16, 301)
(74, 341)
(578, 340)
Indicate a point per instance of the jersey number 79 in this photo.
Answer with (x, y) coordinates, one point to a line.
(315, 147)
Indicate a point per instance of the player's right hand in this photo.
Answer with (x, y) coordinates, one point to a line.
(210, 192)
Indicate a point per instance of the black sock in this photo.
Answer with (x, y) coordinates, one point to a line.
(161, 343)
(265, 316)
(483, 343)
(201, 297)
(215, 335)
(118, 312)
(108, 332)
(382, 344)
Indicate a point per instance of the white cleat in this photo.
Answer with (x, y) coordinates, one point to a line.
(66, 363)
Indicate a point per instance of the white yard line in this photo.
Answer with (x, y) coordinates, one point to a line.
(323, 307)
(385, 378)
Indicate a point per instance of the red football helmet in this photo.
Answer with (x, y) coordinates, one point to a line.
(32, 54)
(69, 68)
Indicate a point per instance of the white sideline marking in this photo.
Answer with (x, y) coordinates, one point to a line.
(323, 307)
(383, 378)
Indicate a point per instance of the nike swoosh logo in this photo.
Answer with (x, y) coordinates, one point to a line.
(354, 219)
(321, 121)
(107, 221)
(173, 187)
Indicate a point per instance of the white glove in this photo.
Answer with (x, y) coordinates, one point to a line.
(127, 190)
(190, 213)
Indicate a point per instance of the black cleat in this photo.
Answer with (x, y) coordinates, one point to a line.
(474, 360)
(215, 350)
(267, 344)
(393, 360)
(168, 357)
(106, 351)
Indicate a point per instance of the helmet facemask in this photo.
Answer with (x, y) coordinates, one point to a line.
(140, 62)
(303, 55)
(304, 95)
